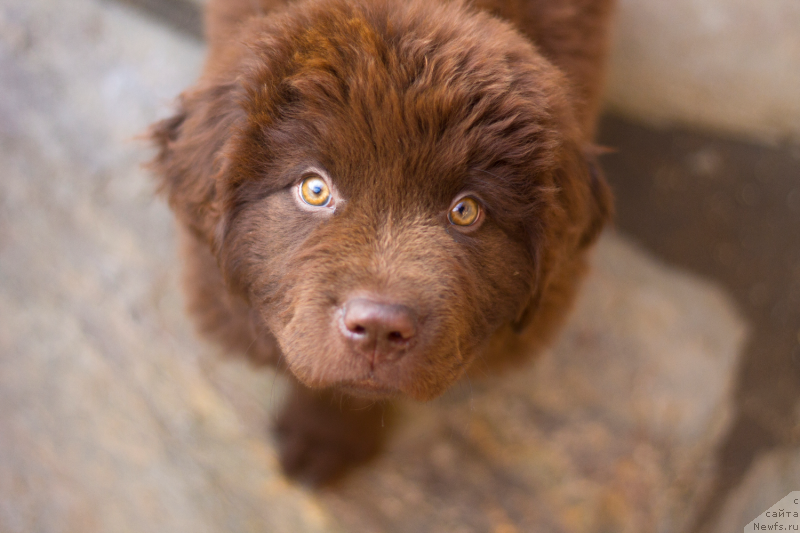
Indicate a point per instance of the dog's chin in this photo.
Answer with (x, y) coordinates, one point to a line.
(369, 390)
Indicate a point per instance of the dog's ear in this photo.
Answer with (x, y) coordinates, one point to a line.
(586, 207)
(599, 200)
(191, 159)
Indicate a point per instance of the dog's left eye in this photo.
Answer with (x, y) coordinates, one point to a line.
(315, 192)
(465, 212)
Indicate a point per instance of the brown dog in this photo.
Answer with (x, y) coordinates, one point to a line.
(377, 192)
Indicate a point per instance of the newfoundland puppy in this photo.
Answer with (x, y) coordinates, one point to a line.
(374, 194)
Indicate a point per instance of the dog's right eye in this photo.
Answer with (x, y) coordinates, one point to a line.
(315, 192)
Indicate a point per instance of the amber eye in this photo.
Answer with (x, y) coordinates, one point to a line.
(315, 191)
(465, 212)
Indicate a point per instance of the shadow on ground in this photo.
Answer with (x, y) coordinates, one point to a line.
(729, 211)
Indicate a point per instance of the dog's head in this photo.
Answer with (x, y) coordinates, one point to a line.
(387, 184)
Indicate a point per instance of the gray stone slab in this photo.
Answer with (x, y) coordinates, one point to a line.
(114, 417)
(731, 66)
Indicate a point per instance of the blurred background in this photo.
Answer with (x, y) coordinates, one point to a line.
(702, 114)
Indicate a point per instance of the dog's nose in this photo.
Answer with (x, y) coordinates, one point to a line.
(379, 331)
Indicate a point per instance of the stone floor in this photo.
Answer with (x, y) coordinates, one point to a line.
(115, 418)
(728, 211)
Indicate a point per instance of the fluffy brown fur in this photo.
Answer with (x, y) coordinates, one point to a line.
(403, 106)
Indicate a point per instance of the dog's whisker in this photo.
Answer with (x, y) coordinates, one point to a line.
(471, 394)
(279, 362)
(249, 346)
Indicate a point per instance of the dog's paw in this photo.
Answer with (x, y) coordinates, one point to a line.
(321, 435)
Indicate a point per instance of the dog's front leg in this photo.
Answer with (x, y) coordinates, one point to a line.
(323, 433)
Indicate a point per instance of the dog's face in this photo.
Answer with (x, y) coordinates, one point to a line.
(386, 186)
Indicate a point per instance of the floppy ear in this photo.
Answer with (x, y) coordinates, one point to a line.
(599, 200)
(191, 162)
(586, 207)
